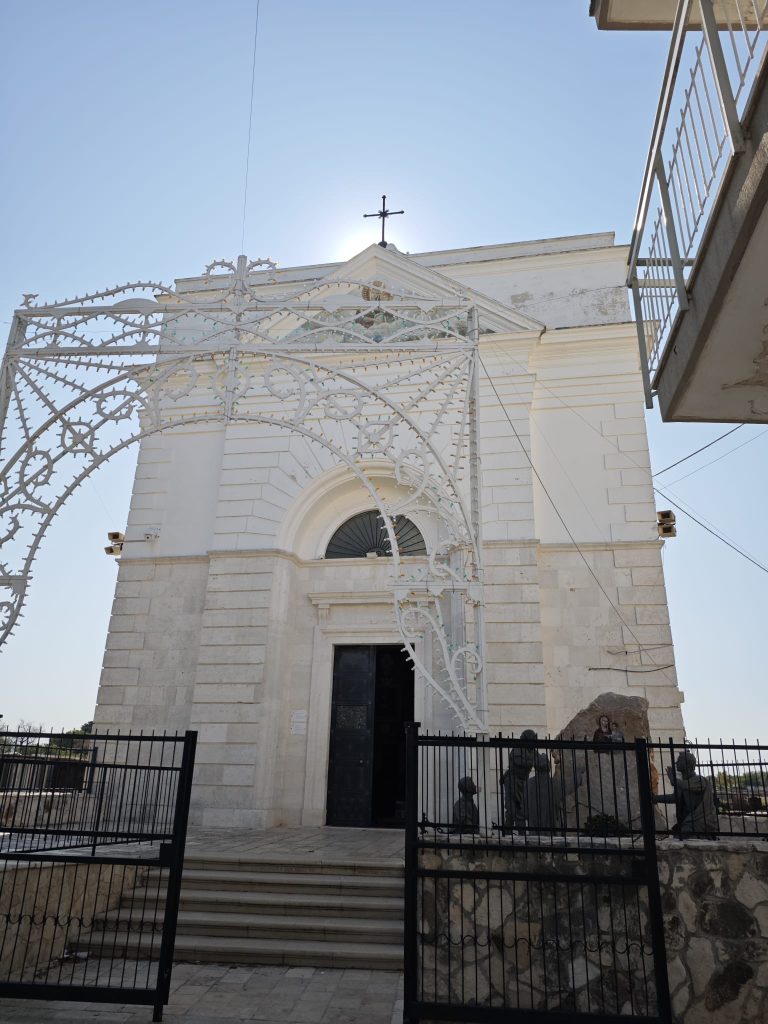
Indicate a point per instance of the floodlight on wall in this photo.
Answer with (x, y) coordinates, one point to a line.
(116, 540)
(666, 521)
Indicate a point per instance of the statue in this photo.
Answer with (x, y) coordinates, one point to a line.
(513, 780)
(466, 817)
(542, 802)
(693, 799)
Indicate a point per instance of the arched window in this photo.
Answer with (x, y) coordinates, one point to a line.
(365, 534)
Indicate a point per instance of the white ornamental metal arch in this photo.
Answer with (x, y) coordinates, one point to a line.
(358, 373)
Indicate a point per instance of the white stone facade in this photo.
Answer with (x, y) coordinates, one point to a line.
(226, 623)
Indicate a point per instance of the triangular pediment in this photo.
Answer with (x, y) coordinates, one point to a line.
(389, 270)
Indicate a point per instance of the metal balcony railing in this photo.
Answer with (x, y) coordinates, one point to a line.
(717, 50)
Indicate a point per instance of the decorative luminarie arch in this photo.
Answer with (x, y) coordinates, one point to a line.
(363, 373)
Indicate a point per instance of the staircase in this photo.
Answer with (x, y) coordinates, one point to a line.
(260, 910)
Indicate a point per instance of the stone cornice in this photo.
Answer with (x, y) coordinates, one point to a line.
(161, 559)
(596, 333)
(601, 545)
(547, 250)
(512, 264)
(352, 597)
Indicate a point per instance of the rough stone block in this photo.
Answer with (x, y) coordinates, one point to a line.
(130, 605)
(224, 694)
(640, 512)
(634, 531)
(630, 494)
(652, 614)
(511, 653)
(119, 676)
(216, 675)
(642, 555)
(235, 654)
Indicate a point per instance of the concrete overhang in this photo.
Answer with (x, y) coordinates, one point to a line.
(715, 363)
(650, 15)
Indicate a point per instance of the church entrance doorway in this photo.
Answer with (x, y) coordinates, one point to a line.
(372, 700)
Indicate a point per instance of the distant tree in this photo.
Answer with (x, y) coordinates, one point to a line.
(74, 740)
(30, 733)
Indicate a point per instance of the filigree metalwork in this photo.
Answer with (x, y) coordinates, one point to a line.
(365, 377)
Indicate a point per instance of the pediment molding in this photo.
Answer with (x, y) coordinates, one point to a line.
(404, 276)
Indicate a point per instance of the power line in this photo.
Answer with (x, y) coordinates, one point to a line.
(250, 125)
(714, 533)
(629, 458)
(713, 461)
(702, 449)
(708, 522)
(557, 512)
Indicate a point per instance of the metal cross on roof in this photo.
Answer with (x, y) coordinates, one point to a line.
(383, 213)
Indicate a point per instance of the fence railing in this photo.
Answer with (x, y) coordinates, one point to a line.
(715, 55)
(92, 842)
(584, 794)
(532, 886)
(531, 881)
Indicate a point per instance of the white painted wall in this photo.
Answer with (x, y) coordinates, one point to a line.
(227, 623)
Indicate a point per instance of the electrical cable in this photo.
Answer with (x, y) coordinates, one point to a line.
(557, 512)
(250, 125)
(628, 457)
(730, 451)
(698, 450)
(687, 507)
(714, 533)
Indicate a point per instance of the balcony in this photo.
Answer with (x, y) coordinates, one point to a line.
(698, 264)
(660, 14)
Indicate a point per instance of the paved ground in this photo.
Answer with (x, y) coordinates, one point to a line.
(210, 994)
(323, 843)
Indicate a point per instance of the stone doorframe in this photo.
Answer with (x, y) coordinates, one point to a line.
(325, 638)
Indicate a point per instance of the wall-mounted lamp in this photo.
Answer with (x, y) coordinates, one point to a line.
(666, 523)
(116, 541)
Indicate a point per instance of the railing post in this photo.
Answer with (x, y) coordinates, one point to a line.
(669, 224)
(640, 323)
(99, 805)
(175, 869)
(722, 79)
(410, 947)
(655, 914)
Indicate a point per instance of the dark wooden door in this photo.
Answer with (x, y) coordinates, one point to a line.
(393, 708)
(350, 763)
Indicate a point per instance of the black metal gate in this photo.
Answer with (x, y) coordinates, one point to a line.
(92, 836)
(532, 894)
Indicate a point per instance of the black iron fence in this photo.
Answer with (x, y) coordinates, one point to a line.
(91, 855)
(532, 887)
(710, 790)
(547, 791)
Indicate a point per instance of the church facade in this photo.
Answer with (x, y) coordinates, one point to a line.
(473, 545)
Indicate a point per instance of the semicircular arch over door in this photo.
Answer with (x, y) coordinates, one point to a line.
(365, 534)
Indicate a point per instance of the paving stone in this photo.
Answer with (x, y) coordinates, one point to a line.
(205, 994)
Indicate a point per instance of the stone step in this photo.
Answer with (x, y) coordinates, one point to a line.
(304, 903)
(296, 865)
(267, 881)
(283, 951)
(265, 926)
(269, 909)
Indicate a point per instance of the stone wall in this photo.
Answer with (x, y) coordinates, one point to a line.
(46, 907)
(586, 945)
(715, 900)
